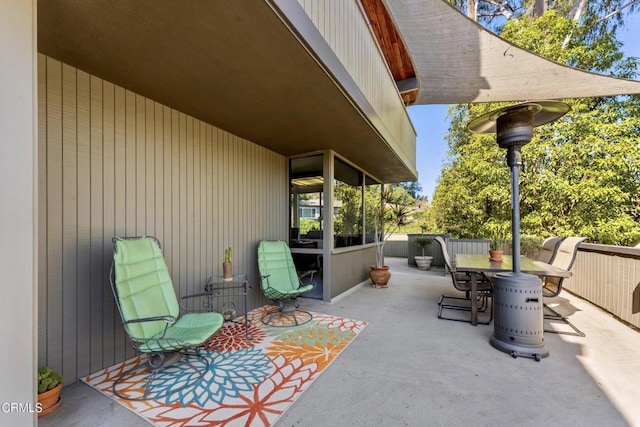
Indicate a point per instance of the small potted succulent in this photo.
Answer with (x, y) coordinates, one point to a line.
(423, 262)
(49, 386)
(227, 266)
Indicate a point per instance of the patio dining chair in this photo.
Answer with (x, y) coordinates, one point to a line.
(150, 312)
(564, 257)
(282, 284)
(549, 249)
(462, 282)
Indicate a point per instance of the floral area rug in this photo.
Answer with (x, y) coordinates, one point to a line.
(248, 382)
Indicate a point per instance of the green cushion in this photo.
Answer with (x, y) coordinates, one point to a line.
(272, 293)
(275, 262)
(145, 290)
(192, 329)
(144, 285)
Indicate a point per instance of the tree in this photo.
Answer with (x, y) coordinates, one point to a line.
(413, 188)
(601, 16)
(581, 174)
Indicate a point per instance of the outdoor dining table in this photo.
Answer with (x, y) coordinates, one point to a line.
(480, 263)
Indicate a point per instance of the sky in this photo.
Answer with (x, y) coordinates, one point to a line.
(431, 122)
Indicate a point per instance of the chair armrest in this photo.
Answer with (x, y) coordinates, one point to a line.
(306, 273)
(198, 295)
(207, 295)
(168, 319)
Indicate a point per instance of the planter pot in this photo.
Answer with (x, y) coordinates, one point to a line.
(380, 276)
(50, 400)
(424, 262)
(495, 256)
(227, 270)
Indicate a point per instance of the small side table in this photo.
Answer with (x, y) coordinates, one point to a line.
(224, 294)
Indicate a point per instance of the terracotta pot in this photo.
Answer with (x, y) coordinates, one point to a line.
(495, 255)
(50, 400)
(380, 276)
(227, 270)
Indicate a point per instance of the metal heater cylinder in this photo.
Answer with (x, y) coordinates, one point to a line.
(518, 319)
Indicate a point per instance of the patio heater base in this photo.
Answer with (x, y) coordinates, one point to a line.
(518, 326)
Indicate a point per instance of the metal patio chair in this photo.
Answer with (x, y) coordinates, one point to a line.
(281, 283)
(549, 249)
(462, 282)
(150, 312)
(564, 257)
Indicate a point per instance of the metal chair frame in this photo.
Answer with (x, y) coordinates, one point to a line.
(291, 311)
(547, 292)
(462, 282)
(170, 351)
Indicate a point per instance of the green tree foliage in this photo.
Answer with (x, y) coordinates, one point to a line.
(349, 217)
(414, 188)
(581, 174)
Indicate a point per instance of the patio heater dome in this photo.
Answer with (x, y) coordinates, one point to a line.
(518, 307)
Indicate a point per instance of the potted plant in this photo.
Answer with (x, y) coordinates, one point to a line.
(227, 266)
(49, 386)
(498, 237)
(390, 215)
(423, 262)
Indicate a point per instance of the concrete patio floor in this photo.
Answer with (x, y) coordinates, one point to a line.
(410, 368)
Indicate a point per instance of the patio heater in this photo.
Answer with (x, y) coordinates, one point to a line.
(518, 311)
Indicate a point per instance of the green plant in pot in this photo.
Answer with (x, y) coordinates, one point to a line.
(497, 239)
(389, 216)
(49, 386)
(227, 264)
(423, 262)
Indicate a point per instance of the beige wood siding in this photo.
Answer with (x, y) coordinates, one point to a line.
(113, 163)
(349, 268)
(345, 27)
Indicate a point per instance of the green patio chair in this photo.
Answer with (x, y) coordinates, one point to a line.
(150, 312)
(281, 283)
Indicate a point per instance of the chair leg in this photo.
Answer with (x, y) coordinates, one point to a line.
(137, 383)
(284, 316)
(481, 308)
(557, 317)
(485, 303)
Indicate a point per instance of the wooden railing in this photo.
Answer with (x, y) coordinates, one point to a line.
(403, 246)
(609, 277)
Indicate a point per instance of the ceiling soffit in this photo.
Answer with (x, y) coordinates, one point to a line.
(233, 64)
(393, 49)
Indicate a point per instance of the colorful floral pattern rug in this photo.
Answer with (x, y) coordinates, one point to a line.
(249, 382)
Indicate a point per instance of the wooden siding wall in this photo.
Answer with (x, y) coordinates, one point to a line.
(345, 27)
(350, 268)
(113, 163)
(608, 279)
(396, 248)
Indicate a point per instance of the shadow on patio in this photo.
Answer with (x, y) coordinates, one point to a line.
(409, 368)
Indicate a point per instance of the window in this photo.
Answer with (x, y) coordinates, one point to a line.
(347, 194)
(372, 200)
(306, 197)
